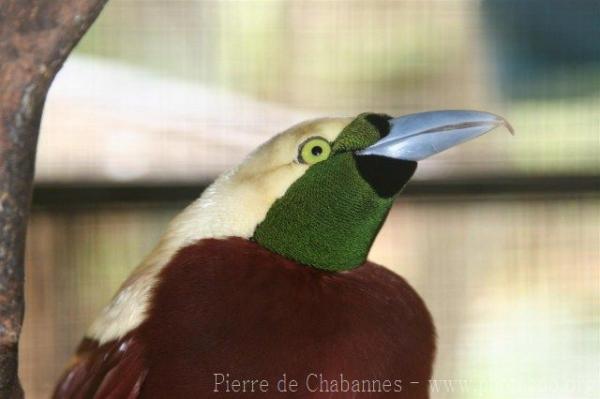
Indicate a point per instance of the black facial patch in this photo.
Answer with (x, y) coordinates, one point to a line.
(387, 176)
(381, 123)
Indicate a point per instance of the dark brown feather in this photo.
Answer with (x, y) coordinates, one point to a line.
(114, 370)
(231, 306)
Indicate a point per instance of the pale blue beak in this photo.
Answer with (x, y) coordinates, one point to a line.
(418, 136)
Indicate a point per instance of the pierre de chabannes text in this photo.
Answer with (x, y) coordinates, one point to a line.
(312, 382)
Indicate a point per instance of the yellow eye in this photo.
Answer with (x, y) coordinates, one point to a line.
(313, 150)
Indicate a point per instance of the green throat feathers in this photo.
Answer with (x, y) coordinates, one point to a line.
(331, 215)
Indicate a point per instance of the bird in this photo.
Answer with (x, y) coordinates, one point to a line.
(262, 286)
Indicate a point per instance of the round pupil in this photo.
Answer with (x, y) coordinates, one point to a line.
(316, 150)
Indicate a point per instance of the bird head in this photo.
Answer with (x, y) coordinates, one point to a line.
(319, 192)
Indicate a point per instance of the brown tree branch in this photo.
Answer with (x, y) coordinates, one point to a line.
(36, 36)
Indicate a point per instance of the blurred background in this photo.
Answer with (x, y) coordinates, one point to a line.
(501, 236)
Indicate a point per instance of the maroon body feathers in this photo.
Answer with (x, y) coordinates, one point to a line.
(233, 307)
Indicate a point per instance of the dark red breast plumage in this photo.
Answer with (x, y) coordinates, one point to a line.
(231, 306)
